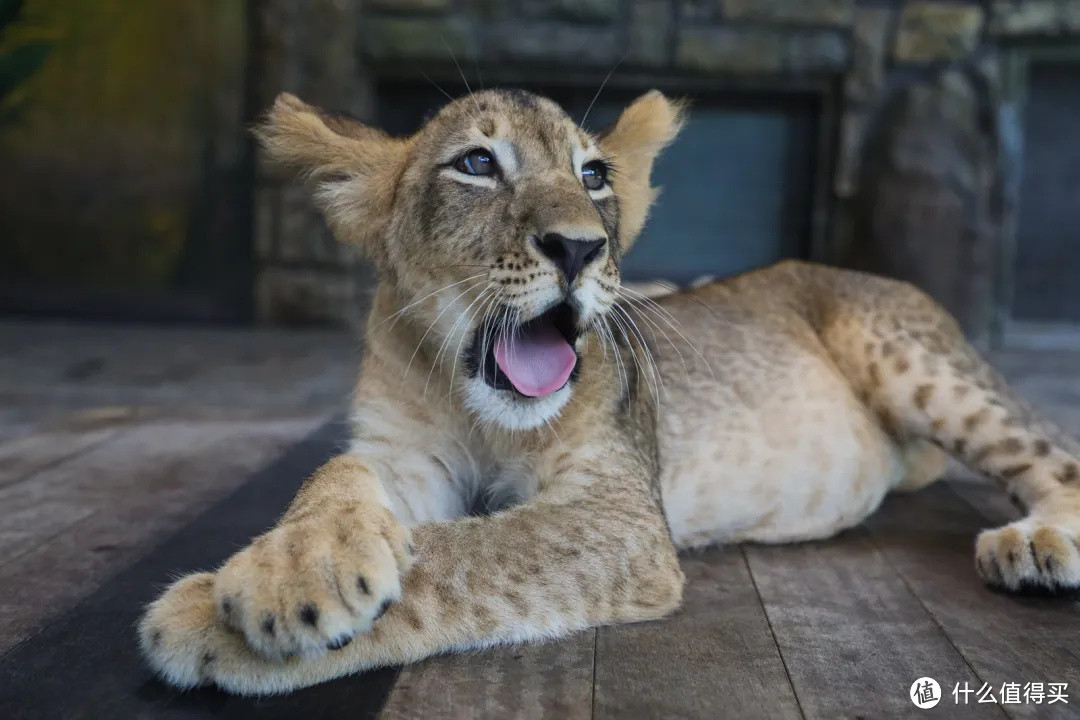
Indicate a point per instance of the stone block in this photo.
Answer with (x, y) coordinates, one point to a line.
(803, 12)
(487, 10)
(931, 31)
(1070, 15)
(289, 296)
(409, 5)
(419, 38)
(823, 51)
(308, 47)
(265, 202)
(698, 11)
(730, 50)
(556, 42)
(1034, 17)
(926, 209)
(849, 153)
(585, 10)
(1031, 17)
(303, 237)
(649, 32)
(870, 40)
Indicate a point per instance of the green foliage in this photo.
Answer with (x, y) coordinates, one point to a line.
(17, 64)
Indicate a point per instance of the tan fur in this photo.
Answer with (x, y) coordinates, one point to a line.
(776, 406)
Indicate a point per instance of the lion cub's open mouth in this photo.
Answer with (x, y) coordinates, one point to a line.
(535, 358)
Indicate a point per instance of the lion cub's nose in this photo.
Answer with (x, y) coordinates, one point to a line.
(569, 254)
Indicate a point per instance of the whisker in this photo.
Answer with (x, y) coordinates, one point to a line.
(552, 428)
(441, 313)
(656, 327)
(486, 322)
(457, 352)
(645, 349)
(464, 79)
(417, 302)
(619, 360)
(600, 90)
(630, 347)
(595, 327)
(630, 330)
(624, 379)
(631, 294)
(479, 76)
(463, 315)
(437, 86)
(668, 318)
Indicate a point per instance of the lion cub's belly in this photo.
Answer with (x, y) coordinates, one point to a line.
(771, 445)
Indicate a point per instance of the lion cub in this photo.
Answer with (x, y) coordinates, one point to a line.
(504, 359)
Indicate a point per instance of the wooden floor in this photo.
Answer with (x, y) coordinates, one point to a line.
(111, 438)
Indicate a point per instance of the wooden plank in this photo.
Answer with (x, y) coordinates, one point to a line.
(87, 664)
(715, 658)
(552, 680)
(66, 530)
(852, 634)
(174, 461)
(50, 371)
(988, 500)
(929, 537)
(21, 457)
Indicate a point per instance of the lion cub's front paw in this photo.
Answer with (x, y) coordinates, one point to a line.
(1029, 555)
(314, 582)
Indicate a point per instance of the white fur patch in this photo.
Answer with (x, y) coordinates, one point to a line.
(512, 412)
(484, 181)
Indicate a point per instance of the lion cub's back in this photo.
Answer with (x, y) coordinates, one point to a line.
(761, 437)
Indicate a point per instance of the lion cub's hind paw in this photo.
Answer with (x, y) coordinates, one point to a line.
(1029, 557)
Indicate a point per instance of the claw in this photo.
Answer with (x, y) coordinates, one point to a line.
(339, 642)
(382, 610)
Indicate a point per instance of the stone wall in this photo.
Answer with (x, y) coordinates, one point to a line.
(309, 48)
(866, 58)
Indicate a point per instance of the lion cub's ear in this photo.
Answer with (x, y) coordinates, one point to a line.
(633, 142)
(355, 168)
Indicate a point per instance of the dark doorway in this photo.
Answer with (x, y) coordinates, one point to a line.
(1047, 263)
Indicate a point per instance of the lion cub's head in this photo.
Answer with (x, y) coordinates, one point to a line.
(500, 225)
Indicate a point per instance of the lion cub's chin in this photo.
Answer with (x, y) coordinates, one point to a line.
(511, 411)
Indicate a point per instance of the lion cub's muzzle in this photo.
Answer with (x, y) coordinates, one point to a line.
(532, 359)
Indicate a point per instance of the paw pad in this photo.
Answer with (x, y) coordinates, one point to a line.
(1025, 557)
(309, 615)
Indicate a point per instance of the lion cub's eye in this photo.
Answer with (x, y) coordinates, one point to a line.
(476, 162)
(594, 175)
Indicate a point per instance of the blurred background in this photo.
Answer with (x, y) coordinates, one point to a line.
(173, 312)
(931, 140)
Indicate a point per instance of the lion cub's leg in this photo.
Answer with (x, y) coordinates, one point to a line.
(326, 572)
(924, 463)
(536, 571)
(910, 363)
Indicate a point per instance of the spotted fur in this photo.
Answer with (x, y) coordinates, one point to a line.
(780, 405)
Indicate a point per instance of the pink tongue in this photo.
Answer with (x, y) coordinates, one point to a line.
(537, 362)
